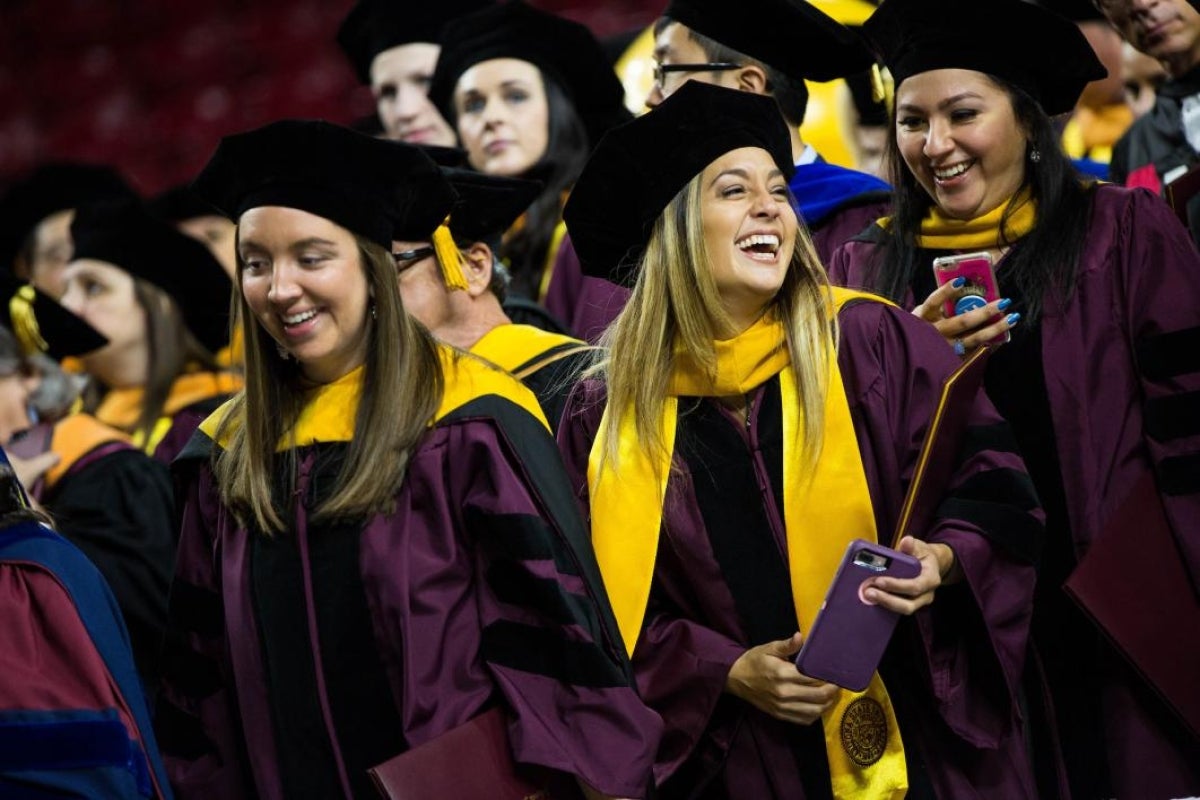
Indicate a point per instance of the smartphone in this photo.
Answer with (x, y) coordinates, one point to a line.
(980, 287)
(849, 635)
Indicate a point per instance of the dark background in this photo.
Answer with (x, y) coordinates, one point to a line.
(151, 85)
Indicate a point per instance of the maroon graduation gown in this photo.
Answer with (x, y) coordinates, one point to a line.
(295, 662)
(952, 669)
(1121, 372)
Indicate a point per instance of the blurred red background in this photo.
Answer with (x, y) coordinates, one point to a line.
(151, 85)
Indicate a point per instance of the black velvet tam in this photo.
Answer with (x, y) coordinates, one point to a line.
(373, 26)
(374, 188)
(791, 36)
(639, 167)
(1037, 50)
(487, 205)
(564, 50)
(53, 187)
(127, 236)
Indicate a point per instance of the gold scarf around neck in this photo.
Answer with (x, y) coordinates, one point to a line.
(824, 509)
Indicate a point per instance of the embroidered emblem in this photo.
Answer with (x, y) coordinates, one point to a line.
(864, 731)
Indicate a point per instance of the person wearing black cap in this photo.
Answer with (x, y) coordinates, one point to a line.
(529, 94)
(162, 301)
(467, 312)
(110, 500)
(722, 43)
(1165, 143)
(36, 213)
(763, 420)
(383, 509)
(393, 47)
(1106, 282)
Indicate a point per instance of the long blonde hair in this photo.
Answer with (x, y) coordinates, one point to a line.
(675, 302)
(402, 388)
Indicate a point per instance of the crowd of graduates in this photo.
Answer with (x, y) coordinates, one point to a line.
(525, 407)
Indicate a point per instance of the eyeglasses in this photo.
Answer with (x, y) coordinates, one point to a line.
(660, 70)
(408, 258)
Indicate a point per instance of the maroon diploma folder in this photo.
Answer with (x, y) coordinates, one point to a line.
(1134, 584)
(471, 762)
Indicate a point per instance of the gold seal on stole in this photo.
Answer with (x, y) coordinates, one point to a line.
(864, 731)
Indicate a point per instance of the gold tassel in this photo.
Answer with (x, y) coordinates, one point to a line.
(878, 91)
(24, 322)
(449, 257)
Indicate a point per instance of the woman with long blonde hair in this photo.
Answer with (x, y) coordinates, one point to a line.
(747, 423)
(375, 546)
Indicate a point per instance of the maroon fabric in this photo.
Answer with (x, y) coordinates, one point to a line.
(426, 585)
(1139, 277)
(844, 225)
(960, 715)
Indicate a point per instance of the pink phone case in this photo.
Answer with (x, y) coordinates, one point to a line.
(849, 635)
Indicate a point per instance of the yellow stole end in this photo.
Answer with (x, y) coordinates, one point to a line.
(824, 509)
(121, 408)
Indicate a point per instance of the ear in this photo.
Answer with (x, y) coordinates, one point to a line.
(478, 268)
(751, 78)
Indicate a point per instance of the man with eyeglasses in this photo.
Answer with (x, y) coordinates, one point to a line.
(723, 43)
(1165, 143)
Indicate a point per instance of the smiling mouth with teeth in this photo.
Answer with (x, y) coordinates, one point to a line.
(761, 245)
(948, 173)
(296, 319)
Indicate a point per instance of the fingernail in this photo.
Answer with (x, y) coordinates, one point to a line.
(1012, 319)
(958, 282)
(1004, 304)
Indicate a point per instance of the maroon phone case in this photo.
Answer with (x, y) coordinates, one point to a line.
(849, 636)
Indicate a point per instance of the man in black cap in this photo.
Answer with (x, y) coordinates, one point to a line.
(36, 213)
(472, 317)
(1163, 144)
(722, 43)
(393, 47)
(193, 217)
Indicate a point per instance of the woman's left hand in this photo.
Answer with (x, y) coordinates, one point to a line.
(906, 595)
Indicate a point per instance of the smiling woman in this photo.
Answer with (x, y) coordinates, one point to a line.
(373, 499)
(1103, 282)
(744, 425)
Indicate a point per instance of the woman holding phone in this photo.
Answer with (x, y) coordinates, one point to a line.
(746, 424)
(378, 545)
(1101, 365)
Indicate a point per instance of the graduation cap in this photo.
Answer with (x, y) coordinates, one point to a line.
(814, 46)
(42, 325)
(1074, 10)
(487, 205)
(637, 169)
(373, 26)
(127, 236)
(53, 187)
(564, 50)
(372, 187)
(1053, 64)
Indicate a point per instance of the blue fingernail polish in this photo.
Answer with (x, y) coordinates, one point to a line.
(958, 282)
(1004, 304)
(1012, 319)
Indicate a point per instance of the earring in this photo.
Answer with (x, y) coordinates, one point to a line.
(373, 314)
(283, 352)
(1035, 155)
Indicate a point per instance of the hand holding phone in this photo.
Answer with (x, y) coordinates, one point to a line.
(850, 633)
(979, 284)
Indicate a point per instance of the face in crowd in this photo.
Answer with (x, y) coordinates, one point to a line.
(503, 116)
(400, 79)
(959, 136)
